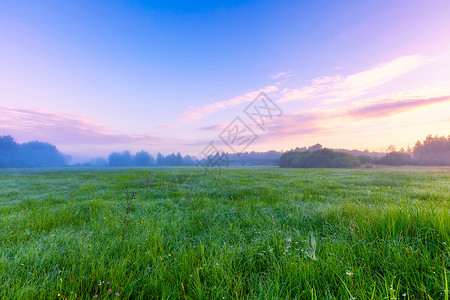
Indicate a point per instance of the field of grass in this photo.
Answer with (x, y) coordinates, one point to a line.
(256, 233)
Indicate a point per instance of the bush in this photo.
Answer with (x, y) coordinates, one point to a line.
(365, 159)
(395, 159)
(325, 158)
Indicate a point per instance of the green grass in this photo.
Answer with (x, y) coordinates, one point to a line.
(248, 234)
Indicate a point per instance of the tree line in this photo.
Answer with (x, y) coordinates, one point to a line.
(143, 158)
(29, 155)
(432, 151)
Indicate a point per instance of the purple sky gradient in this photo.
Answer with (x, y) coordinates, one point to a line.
(93, 78)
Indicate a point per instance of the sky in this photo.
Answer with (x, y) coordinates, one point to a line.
(92, 77)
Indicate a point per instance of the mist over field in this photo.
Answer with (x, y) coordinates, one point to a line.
(225, 149)
(433, 151)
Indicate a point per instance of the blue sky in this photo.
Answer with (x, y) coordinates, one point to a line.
(95, 77)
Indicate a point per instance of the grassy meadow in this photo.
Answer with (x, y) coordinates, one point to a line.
(246, 233)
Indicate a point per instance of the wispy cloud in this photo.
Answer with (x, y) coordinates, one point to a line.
(195, 113)
(337, 121)
(390, 107)
(66, 129)
(341, 88)
(294, 125)
(218, 127)
(281, 75)
(315, 121)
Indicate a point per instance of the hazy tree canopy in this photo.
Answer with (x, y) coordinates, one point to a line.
(395, 159)
(37, 154)
(117, 159)
(269, 158)
(143, 159)
(391, 149)
(365, 159)
(7, 149)
(433, 151)
(324, 158)
(160, 159)
(287, 159)
(29, 155)
(307, 159)
(315, 147)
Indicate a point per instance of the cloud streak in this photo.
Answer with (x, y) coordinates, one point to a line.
(195, 113)
(315, 122)
(282, 75)
(66, 129)
(341, 88)
(388, 108)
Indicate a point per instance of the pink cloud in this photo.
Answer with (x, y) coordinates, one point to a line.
(386, 108)
(342, 88)
(195, 113)
(327, 122)
(65, 129)
(290, 126)
(218, 127)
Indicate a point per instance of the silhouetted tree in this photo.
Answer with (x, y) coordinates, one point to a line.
(159, 159)
(143, 159)
(365, 159)
(395, 159)
(179, 160)
(37, 154)
(117, 159)
(188, 161)
(7, 149)
(170, 160)
(390, 149)
(29, 155)
(287, 159)
(315, 147)
(433, 150)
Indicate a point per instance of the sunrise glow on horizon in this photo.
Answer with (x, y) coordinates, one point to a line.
(96, 77)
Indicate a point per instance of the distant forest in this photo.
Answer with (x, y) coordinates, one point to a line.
(29, 155)
(433, 151)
